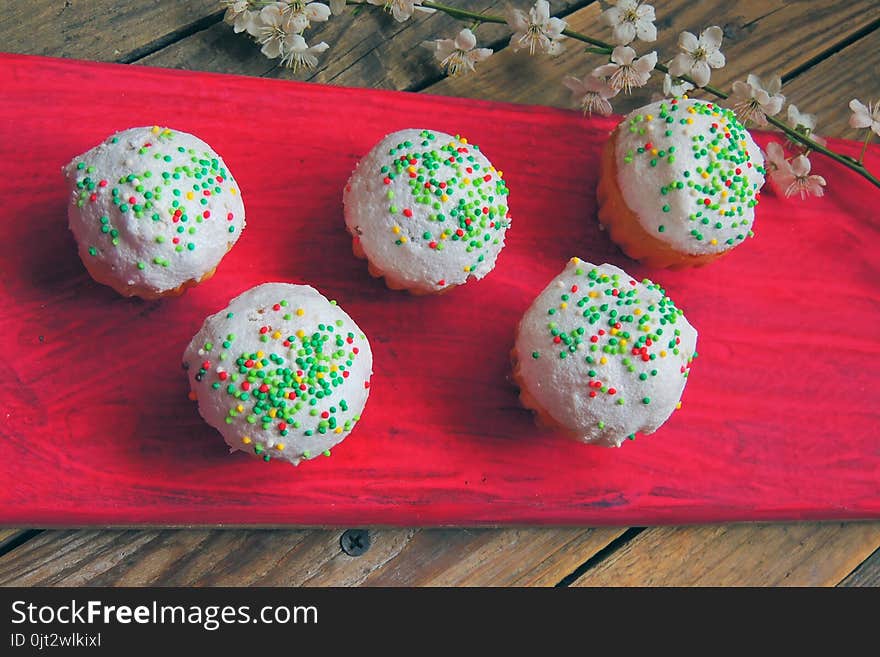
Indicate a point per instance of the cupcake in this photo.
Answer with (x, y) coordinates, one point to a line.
(601, 356)
(427, 210)
(153, 211)
(678, 184)
(281, 372)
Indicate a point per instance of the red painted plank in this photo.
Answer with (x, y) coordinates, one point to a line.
(779, 419)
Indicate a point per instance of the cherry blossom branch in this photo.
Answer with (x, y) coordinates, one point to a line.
(856, 165)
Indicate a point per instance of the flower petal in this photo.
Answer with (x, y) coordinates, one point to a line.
(711, 37)
(716, 59)
(646, 31)
(624, 33)
(479, 54)
(623, 55)
(465, 40)
(688, 42)
(800, 166)
(680, 64)
(317, 12)
(700, 73)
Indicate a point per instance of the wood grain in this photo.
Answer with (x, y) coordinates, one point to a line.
(298, 558)
(811, 554)
(826, 88)
(866, 574)
(760, 37)
(102, 30)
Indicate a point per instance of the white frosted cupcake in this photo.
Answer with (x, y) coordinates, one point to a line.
(153, 211)
(427, 210)
(281, 372)
(601, 356)
(679, 183)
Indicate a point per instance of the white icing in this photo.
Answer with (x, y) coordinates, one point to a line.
(137, 236)
(561, 385)
(251, 311)
(640, 183)
(368, 215)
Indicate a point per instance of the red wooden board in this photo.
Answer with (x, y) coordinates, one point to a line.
(779, 418)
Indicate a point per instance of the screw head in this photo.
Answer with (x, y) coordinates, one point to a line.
(355, 542)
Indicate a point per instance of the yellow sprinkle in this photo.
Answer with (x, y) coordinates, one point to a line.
(444, 197)
(654, 151)
(716, 149)
(691, 110)
(466, 181)
(463, 140)
(320, 375)
(714, 113)
(259, 354)
(396, 230)
(338, 430)
(623, 342)
(637, 311)
(492, 168)
(467, 269)
(273, 412)
(563, 305)
(298, 379)
(155, 130)
(444, 235)
(240, 408)
(189, 196)
(649, 117)
(704, 174)
(333, 368)
(593, 294)
(233, 191)
(276, 334)
(403, 240)
(678, 406)
(690, 120)
(411, 169)
(614, 331)
(575, 261)
(279, 446)
(246, 440)
(500, 174)
(300, 312)
(646, 328)
(663, 354)
(713, 241)
(300, 333)
(603, 360)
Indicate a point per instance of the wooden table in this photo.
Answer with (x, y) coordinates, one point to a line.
(827, 53)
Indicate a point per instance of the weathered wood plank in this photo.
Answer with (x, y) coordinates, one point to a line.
(808, 554)
(826, 88)
(866, 574)
(9, 536)
(298, 557)
(102, 30)
(369, 49)
(761, 37)
(516, 557)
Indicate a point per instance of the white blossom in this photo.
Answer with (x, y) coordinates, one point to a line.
(630, 20)
(240, 15)
(752, 101)
(804, 123)
(590, 93)
(865, 117)
(401, 9)
(460, 54)
(625, 70)
(536, 31)
(301, 14)
(699, 55)
(795, 178)
(675, 87)
(297, 53)
(274, 31)
(775, 157)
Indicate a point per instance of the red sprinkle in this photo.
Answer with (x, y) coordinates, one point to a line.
(407, 212)
(325, 415)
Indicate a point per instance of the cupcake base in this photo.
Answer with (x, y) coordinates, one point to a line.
(625, 229)
(101, 273)
(391, 281)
